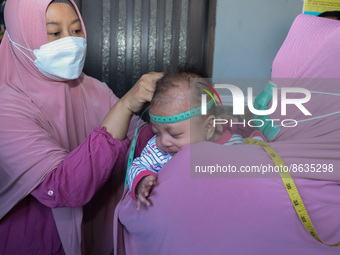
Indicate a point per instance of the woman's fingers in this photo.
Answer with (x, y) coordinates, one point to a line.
(148, 81)
(142, 91)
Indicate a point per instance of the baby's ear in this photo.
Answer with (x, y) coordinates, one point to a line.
(209, 126)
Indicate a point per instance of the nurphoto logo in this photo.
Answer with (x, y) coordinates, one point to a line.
(239, 105)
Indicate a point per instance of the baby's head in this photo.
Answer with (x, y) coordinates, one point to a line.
(175, 94)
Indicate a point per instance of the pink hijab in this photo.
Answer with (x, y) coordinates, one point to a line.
(58, 114)
(249, 213)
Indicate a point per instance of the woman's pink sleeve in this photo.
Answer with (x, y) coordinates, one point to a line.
(74, 182)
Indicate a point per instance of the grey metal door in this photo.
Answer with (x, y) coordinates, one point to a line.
(127, 38)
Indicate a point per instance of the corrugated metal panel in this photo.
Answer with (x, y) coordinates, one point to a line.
(127, 38)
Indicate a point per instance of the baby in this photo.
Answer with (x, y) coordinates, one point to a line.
(174, 98)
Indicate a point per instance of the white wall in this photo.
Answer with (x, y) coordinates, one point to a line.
(249, 33)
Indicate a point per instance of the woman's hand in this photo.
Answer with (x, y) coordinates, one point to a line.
(118, 119)
(141, 92)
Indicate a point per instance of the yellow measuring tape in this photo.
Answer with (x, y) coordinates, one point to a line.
(291, 189)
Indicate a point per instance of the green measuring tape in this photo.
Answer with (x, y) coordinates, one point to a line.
(180, 117)
(291, 189)
(133, 147)
(163, 120)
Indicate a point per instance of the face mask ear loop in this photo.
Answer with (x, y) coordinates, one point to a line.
(321, 93)
(324, 93)
(18, 45)
(318, 117)
(315, 118)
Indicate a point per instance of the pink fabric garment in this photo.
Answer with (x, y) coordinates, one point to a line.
(251, 213)
(224, 138)
(244, 131)
(42, 120)
(72, 184)
(27, 232)
(99, 151)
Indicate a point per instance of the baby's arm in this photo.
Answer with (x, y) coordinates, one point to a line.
(140, 172)
(144, 188)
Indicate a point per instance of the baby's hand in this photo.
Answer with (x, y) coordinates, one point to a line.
(144, 188)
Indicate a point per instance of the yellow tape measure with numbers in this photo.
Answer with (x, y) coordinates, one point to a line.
(291, 189)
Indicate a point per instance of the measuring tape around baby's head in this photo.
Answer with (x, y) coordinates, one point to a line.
(290, 186)
(180, 117)
(163, 120)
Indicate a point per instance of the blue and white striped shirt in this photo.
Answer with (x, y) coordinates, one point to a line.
(152, 159)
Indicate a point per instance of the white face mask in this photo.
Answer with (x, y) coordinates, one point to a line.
(59, 60)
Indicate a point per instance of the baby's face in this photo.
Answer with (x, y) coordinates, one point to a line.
(170, 138)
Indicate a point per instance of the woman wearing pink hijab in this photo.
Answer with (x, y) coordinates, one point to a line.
(62, 133)
(242, 213)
